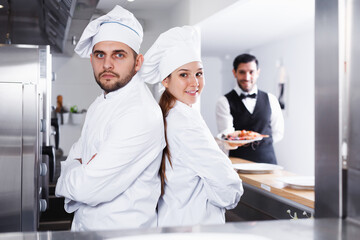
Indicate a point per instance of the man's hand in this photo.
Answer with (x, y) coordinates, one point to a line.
(232, 146)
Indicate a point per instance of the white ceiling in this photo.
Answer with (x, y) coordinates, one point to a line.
(250, 23)
(239, 27)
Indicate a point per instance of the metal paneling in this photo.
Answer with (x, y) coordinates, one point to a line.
(30, 164)
(328, 181)
(19, 63)
(353, 206)
(45, 91)
(353, 51)
(10, 156)
(257, 204)
(354, 83)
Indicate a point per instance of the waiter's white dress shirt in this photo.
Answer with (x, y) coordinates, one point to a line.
(201, 183)
(224, 119)
(120, 187)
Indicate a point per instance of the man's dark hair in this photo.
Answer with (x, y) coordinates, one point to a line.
(135, 54)
(244, 58)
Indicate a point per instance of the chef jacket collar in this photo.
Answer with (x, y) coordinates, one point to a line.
(123, 90)
(186, 108)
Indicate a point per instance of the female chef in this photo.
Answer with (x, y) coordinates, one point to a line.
(198, 180)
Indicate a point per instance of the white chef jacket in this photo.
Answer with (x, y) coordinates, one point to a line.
(201, 183)
(224, 119)
(120, 187)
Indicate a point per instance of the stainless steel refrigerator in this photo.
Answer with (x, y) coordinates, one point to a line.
(25, 128)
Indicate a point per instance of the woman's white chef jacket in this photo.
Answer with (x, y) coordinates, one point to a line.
(120, 187)
(201, 183)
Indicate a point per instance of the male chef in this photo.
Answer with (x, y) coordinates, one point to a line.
(110, 177)
(246, 107)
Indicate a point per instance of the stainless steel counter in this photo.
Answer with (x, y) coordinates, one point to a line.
(304, 229)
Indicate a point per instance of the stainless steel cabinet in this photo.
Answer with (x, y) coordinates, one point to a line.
(10, 159)
(25, 88)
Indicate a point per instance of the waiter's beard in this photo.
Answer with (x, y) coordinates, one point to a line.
(119, 82)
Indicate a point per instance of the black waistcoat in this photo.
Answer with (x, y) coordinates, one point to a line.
(259, 121)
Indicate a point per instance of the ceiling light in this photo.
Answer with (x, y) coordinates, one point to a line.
(130, 0)
(1, 6)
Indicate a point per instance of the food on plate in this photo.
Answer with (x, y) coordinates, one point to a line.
(243, 135)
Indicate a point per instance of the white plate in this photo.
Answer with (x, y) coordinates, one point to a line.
(239, 141)
(299, 182)
(256, 167)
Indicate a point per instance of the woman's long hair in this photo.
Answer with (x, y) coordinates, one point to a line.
(167, 102)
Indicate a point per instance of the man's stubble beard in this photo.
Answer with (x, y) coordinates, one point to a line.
(121, 82)
(244, 89)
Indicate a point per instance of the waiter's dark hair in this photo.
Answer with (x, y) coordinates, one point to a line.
(245, 58)
(167, 102)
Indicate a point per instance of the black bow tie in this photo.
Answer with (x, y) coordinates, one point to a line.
(242, 96)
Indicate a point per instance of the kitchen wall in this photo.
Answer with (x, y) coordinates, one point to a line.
(215, 72)
(296, 53)
(193, 11)
(75, 82)
(296, 152)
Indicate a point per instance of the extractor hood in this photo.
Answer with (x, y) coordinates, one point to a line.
(58, 23)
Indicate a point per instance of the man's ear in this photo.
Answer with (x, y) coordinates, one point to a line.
(234, 72)
(139, 61)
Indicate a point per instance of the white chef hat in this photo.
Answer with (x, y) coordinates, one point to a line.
(118, 25)
(172, 49)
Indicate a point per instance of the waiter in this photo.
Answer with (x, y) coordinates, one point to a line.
(247, 107)
(110, 177)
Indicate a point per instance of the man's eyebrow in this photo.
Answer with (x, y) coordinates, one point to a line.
(120, 51)
(115, 51)
(98, 51)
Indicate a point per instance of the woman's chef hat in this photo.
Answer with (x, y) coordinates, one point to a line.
(172, 49)
(118, 25)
